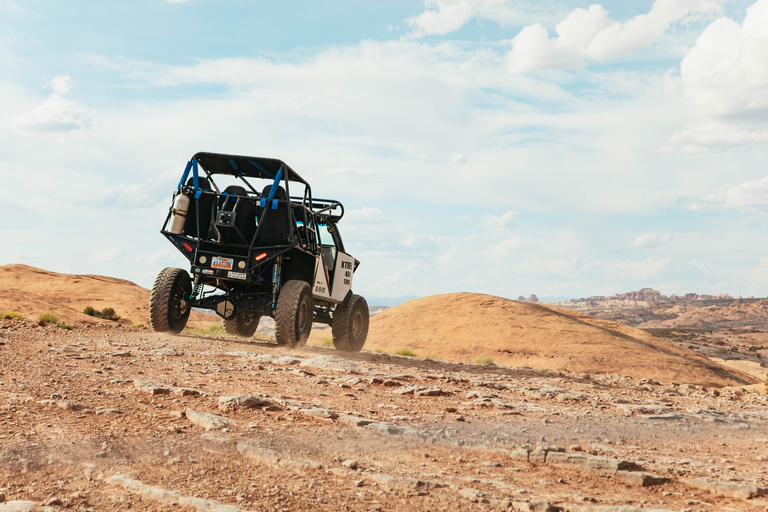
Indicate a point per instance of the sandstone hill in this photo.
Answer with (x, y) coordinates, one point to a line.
(468, 326)
(31, 291)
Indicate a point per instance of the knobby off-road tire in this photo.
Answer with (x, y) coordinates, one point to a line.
(350, 324)
(242, 324)
(293, 315)
(169, 301)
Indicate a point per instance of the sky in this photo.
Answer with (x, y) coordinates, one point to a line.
(560, 148)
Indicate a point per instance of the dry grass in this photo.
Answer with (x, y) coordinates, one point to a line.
(48, 317)
(406, 352)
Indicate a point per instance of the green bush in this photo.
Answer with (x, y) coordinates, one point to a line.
(109, 314)
(90, 311)
(48, 317)
(380, 351)
(11, 315)
(484, 360)
(406, 352)
(66, 326)
(327, 342)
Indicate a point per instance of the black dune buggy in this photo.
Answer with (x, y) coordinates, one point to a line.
(257, 253)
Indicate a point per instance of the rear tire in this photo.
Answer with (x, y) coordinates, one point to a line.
(293, 315)
(350, 324)
(241, 324)
(169, 301)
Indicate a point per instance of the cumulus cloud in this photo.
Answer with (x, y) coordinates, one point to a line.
(108, 255)
(749, 195)
(56, 114)
(724, 81)
(445, 16)
(648, 241)
(505, 220)
(591, 34)
(634, 270)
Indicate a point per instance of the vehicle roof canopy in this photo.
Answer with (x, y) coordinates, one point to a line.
(248, 166)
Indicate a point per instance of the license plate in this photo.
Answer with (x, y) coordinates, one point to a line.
(219, 262)
(237, 275)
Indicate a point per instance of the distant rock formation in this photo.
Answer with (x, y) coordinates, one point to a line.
(532, 298)
(651, 295)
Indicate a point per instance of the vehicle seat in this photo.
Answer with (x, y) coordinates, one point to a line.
(274, 226)
(205, 202)
(245, 216)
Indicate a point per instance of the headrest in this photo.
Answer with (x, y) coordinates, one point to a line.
(202, 182)
(236, 190)
(280, 194)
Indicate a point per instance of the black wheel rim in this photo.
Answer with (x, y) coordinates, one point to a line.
(357, 325)
(180, 304)
(302, 316)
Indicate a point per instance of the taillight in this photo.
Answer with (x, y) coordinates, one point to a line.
(187, 246)
(261, 256)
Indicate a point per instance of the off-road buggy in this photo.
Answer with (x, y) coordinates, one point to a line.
(258, 252)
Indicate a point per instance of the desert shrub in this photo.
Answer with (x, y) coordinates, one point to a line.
(406, 352)
(432, 355)
(90, 311)
(63, 325)
(379, 351)
(138, 326)
(48, 317)
(484, 360)
(327, 342)
(109, 314)
(11, 315)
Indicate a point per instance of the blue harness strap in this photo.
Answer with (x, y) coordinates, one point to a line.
(195, 179)
(272, 192)
(186, 173)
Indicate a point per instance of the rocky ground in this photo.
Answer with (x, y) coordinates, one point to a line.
(114, 418)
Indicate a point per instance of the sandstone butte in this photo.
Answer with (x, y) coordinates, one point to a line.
(468, 326)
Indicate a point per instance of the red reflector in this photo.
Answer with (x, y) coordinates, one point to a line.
(187, 247)
(261, 256)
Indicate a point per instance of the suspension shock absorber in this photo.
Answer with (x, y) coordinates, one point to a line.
(198, 287)
(276, 268)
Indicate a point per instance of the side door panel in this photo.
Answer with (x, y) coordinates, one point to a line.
(342, 276)
(320, 289)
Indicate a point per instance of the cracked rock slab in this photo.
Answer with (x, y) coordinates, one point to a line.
(208, 420)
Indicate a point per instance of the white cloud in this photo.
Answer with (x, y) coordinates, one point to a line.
(724, 81)
(56, 114)
(504, 221)
(446, 16)
(749, 195)
(458, 159)
(108, 255)
(635, 270)
(648, 241)
(591, 34)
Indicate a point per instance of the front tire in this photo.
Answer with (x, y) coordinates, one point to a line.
(293, 315)
(169, 301)
(350, 324)
(241, 324)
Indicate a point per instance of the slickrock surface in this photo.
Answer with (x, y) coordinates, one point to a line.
(468, 326)
(30, 291)
(315, 430)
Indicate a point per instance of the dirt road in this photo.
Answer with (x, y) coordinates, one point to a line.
(124, 419)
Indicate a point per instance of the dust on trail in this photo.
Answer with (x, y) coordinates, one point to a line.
(100, 419)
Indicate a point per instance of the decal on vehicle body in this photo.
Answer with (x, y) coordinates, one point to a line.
(237, 275)
(224, 263)
(208, 271)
